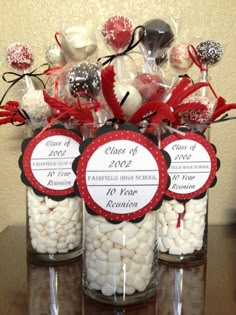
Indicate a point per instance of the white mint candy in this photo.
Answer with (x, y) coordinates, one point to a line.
(94, 285)
(114, 255)
(172, 232)
(100, 280)
(161, 217)
(139, 284)
(100, 254)
(179, 208)
(132, 102)
(108, 289)
(143, 249)
(92, 274)
(113, 279)
(179, 241)
(132, 243)
(117, 237)
(130, 277)
(130, 230)
(114, 267)
(168, 243)
(126, 253)
(174, 250)
(101, 266)
(171, 216)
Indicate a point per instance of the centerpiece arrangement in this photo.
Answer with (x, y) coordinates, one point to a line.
(119, 148)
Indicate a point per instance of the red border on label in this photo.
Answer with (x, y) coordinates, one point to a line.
(27, 154)
(113, 136)
(207, 145)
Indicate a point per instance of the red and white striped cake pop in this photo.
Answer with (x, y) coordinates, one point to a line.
(19, 56)
(117, 32)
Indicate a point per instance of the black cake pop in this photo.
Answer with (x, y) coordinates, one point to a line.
(84, 77)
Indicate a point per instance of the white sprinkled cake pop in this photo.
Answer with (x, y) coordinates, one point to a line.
(54, 56)
(34, 105)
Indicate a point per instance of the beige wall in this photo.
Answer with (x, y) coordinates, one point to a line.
(35, 22)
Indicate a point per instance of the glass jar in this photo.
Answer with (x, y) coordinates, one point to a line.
(183, 231)
(182, 236)
(120, 260)
(54, 228)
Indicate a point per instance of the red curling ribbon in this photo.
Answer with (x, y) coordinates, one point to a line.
(193, 54)
(60, 45)
(81, 112)
(57, 40)
(180, 218)
(10, 113)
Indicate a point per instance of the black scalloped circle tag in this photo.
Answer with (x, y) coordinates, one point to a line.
(46, 161)
(193, 165)
(121, 174)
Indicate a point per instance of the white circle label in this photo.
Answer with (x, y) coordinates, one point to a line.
(51, 162)
(122, 176)
(190, 166)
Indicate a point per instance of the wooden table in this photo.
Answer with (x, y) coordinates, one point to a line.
(207, 289)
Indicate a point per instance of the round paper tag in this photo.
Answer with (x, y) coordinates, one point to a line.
(193, 165)
(47, 161)
(122, 175)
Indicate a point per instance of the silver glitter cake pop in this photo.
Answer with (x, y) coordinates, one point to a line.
(210, 52)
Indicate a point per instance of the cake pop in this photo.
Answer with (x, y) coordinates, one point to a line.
(132, 102)
(117, 32)
(150, 86)
(78, 42)
(54, 56)
(34, 105)
(19, 56)
(158, 35)
(210, 52)
(198, 116)
(84, 77)
(179, 57)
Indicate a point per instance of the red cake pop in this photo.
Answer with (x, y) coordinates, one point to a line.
(117, 32)
(150, 86)
(19, 56)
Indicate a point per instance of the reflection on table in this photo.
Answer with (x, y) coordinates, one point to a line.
(57, 291)
(181, 291)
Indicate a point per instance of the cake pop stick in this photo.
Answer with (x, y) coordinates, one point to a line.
(206, 53)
